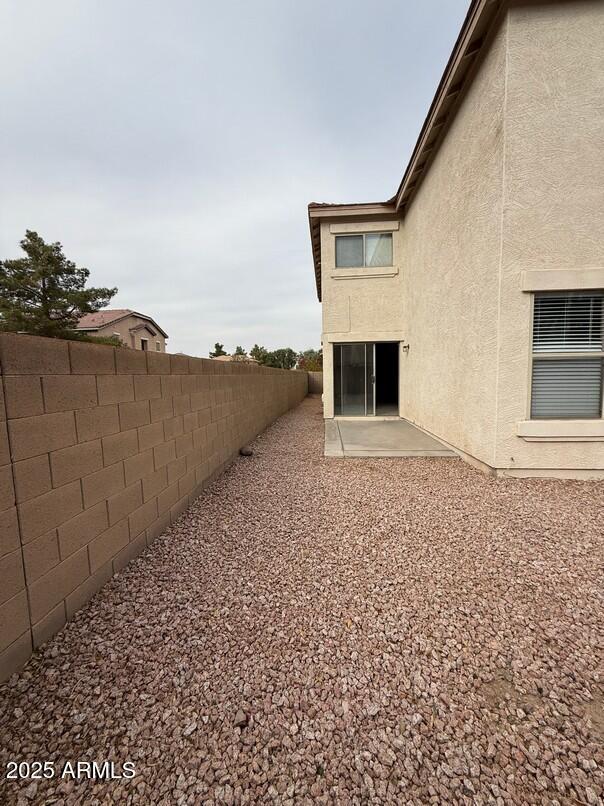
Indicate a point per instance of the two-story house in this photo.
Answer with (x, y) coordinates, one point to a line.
(471, 303)
(133, 329)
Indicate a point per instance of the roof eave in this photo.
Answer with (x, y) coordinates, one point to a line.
(149, 319)
(468, 46)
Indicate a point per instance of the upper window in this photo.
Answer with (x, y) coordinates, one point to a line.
(357, 251)
(158, 347)
(568, 355)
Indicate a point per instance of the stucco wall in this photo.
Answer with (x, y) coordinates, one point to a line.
(358, 304)
(133, 340)
(451, 254)
(100, 450)
(442, 299)
(553, 215)
(315, 383)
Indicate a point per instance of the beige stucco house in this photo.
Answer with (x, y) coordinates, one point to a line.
(471, 303)
(135, 330)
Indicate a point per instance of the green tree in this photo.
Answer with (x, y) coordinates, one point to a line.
(218, 350)
(283, 358)
(259, 354)
(44, 293)
(311, 360)
(239, 350)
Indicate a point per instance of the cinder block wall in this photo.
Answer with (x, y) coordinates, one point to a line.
(100, 450)
(315, 383)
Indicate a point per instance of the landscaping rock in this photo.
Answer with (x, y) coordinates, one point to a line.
(342, 631)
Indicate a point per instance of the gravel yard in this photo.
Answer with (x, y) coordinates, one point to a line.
(335, 631)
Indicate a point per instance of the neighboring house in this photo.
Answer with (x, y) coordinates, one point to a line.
(471, 302)
(240, 358)
(134, 329)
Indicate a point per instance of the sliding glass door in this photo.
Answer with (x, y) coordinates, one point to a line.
(354, 379)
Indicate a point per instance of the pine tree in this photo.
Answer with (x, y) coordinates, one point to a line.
(44, 293)
(218, 350)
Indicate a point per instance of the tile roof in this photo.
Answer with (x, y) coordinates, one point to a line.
(102, 318)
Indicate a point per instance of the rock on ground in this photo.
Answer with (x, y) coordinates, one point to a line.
(335, 631)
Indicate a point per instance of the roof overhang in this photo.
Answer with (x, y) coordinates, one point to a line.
(143, 326)
(474, 35)
(148, 319)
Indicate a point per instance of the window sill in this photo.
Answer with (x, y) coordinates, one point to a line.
(364, 271)
(561, 430)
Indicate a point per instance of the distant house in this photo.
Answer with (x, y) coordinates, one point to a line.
(135, 330)
(241, 358)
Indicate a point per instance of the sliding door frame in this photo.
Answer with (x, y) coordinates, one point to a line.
(368, 377)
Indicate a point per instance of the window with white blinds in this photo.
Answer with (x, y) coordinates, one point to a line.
(371, 249)
(568, 355)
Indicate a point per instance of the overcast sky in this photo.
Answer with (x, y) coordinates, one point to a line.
(172, 147)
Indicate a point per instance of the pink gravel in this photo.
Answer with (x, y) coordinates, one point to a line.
(335, 631)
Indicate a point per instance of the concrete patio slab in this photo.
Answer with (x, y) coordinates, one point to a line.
(384, 438)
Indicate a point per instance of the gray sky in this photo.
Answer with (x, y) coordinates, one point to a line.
(172, 147)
